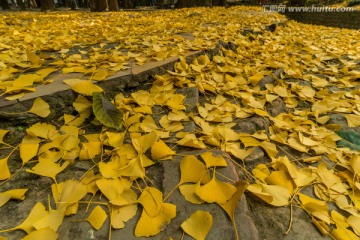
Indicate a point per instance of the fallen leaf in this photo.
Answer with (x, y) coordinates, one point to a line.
(97, 217)
(40, 108)
(198, 224)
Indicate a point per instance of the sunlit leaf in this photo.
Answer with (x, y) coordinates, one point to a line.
(148, 226)
(198, 224)
(40, 108)
(216, 191)
(86, 88)
(97, 217)
(18, 194)
(42, 234)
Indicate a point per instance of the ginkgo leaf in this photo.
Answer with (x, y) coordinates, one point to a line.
(316, 208)
(52, 220)
(2, 134)
(106, 112)
(18, 194)
(5, 171)
(97, 217)
(37, 213)
(188, 191)
(213, 161)
(354, 222)
(190, 140)
(160, 151)
(86, 88)
(34, 59)
(147, 226)
(272, 194)
(100, 75)
(231, 204)
(42, 234)
(68, 193)
(151, 200)
(343, 234)
(40, 108)
(41, 130)
(144, 142)
(216, 191)
(82, 105)
(120, 215)
(117, 191)
(48, 169)
(352, 120)
(198, 224)
(193, 171)
(29, 148)
(339, 219)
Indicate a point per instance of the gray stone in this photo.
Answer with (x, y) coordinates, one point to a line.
(276, 107)
(256, 156)
(191, 98)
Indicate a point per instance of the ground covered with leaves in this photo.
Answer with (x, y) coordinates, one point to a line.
(278, 99)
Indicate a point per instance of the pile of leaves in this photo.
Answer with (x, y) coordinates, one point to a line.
(318, 79)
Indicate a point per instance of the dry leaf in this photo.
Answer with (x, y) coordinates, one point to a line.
(198, 224)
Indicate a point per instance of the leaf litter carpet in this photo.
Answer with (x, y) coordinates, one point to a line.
(280, 104)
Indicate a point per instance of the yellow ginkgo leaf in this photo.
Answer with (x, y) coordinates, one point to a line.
(354, 222)
(190, 140)
(343, 234)
(82, 105)
(34, 59)
(29, 148)
(231, 204)
(188, 191)
(147, 226)
(2, 134)
(5, 172)
(41, 130)
(148, 124)
(269, 148)
(120, 215)
(193, 171)
(86, 88)
(42, 234)
(281, 178)
(272, 194)
(213, 161)
(352, 120)
(18, 194)
(216, 191)
(316, 208)
(97, 217)
(48, 169)
(68, 193)
(340, 220)
(112, 188)
(37, 213)
(115, 139)
(40, 108)
(198, 224)
(144, 142)
(52, 220)
(176, 102)
(160, 151)
(100, 75)
(151, 200)
(89, 150)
